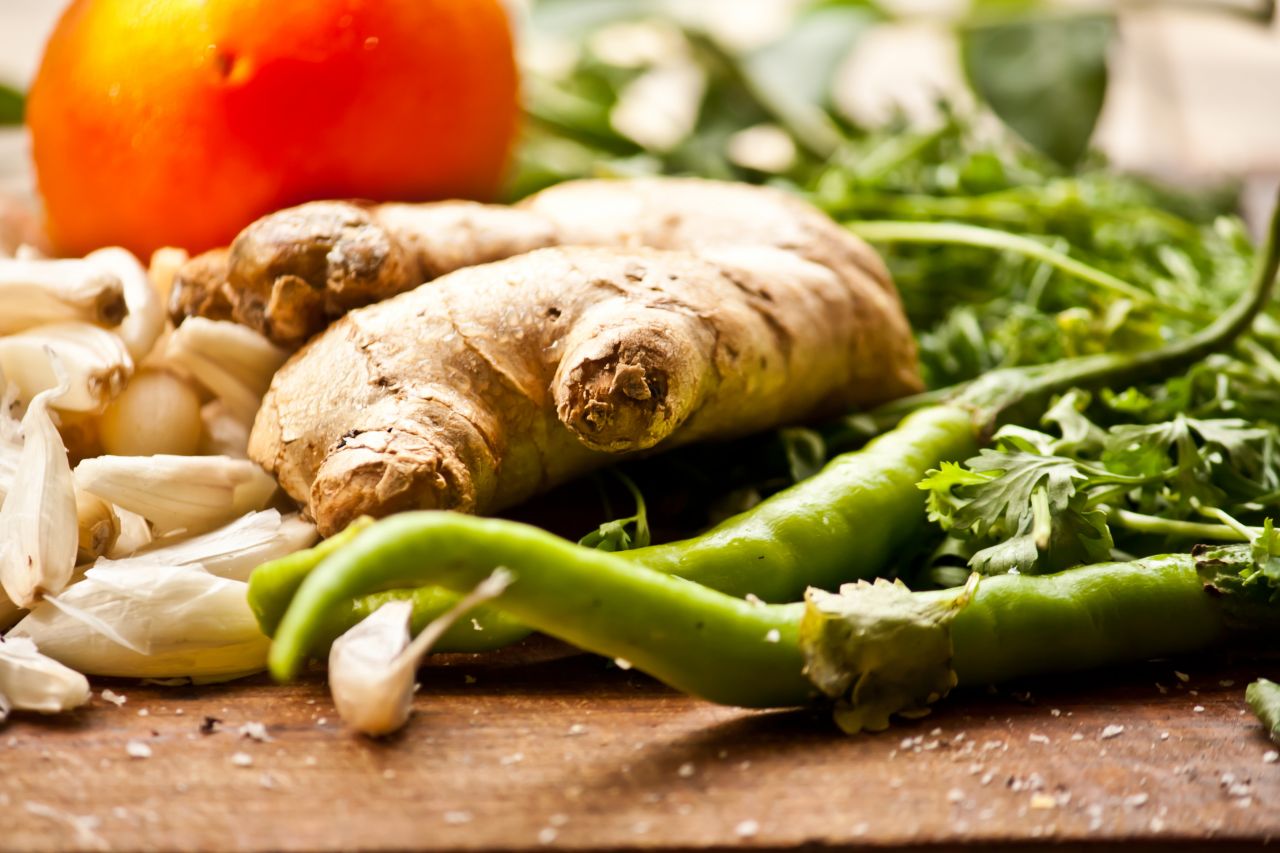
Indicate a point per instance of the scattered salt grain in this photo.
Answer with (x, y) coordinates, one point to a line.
(1112, 731)
(622, 663)
(746, 828)
(1077, 736)
(1035, 738)
(1136, 801)
(1156, 824)
(955, 795)
(547, 835)
(1181, 676)
(1164, 736)
(513, 758)
(1057, 712)
(143, 712)
(457, 818)
(266, 780)
(242, 759)
(686, 770)
(114, 698)
(774, 636)
(1270, 757)
(255, 731)
(577, 729)
(1199, 709)
(137, 749)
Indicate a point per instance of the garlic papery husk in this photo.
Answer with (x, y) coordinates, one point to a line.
(178, 494)
(38, 293)
(145, 321)
(38, 518)
(135, 534)
(98, 527)
(372, 665)
(235, 550)
(31, 681)
(96, 362)
(142, 619)
(233, 362)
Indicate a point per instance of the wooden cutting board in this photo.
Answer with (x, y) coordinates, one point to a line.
(530, 752)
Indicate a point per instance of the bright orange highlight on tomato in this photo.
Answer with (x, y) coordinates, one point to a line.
(178, 122)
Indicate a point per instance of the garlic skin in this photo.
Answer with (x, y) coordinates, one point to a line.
(178, 494)
(142, 619)
(96, 362)
(372, 666)
(41, 292)
(371, 693)
(235, 550)
(98, 527)
(38, 518)
(31, 681)
(232, 361)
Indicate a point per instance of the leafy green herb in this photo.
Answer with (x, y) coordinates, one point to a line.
(1263, 697)
(622, 534)
(12, 105)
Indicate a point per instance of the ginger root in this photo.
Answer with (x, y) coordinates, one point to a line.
(293, 272)
(656, 312)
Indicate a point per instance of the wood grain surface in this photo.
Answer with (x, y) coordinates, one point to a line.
(531, 751)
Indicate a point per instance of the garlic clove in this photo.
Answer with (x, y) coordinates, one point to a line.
(178, 494)
(95, 360)
(41, 292)
(31, 681)
(142, 326)
(234, 362)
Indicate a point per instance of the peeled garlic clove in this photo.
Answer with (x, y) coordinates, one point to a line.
(187, 494)
(96, 362)
(38, 519)
(40, 292)
(234, 362)
(145, 321)
(140, 619)
(371, 692)
(157, 413)
(30, 681)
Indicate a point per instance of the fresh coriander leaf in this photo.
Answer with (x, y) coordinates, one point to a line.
(622, 534)
(1079, 434)
(1001, 505)
(1045, 78)
(1263, 698)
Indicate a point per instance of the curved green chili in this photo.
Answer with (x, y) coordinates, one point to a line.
(724, 649)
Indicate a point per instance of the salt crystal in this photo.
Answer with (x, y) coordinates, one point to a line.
(558, 819)
(1136, 801)
(1164, 736)
(1270, 757)
(1035, 738)
(143, 712)
(137, 749)
(746, 828)
(774, 636)
(456, 818)
(547, 835)
(1077, 736)
(577, 729)
(1057, 712)
(955, 795)
(686, 770)
(242, 759)
(114, 698)
(1199, 709)
(1112, 731)
(1156, 824)
(513, 758)
(254, 731)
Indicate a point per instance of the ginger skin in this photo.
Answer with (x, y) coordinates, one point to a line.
(662, 311)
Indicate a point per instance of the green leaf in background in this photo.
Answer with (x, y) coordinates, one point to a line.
(12, 104)
(796, 72)
(1045, 78)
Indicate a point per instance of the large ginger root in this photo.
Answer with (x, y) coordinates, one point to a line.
(293, 272)
(498, 381)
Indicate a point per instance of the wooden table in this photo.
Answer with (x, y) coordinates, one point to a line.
(533, 751)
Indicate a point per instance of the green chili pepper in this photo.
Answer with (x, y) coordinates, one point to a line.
(874, 649)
